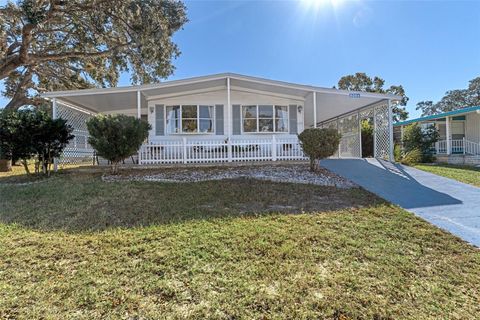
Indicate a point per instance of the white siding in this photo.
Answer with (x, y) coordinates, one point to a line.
(220, 97)
(472, 127)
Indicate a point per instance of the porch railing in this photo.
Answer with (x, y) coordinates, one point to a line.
(210, 151)
(458, 146)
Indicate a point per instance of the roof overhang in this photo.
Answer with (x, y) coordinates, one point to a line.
(458, 112)
(331, 101)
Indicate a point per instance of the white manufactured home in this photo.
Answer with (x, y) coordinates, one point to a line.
(228, 117)
(459, 134)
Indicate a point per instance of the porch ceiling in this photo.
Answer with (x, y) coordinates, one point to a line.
(330, 102)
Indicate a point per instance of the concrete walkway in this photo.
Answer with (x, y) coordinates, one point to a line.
(446, 203)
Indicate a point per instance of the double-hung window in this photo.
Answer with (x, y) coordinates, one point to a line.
(264, 118)
(189, 119)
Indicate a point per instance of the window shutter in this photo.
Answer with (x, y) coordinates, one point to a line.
(236, 119)
(219, 130)
(159, 120)
(292, 118)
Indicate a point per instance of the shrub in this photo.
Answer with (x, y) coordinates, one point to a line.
(32, 133)
(416, 138)
(318, 144)
(412, 157)
(50, 137)
(397, 153)
(116, 137)
(367, 138)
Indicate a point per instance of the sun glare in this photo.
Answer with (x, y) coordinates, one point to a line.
(317, 4)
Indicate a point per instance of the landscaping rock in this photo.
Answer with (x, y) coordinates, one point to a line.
(293, 173)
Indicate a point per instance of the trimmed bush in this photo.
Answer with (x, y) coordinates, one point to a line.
(116, 137)
(318, 144)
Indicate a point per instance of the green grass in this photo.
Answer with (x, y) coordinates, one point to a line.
(74, 247)
(466, 174)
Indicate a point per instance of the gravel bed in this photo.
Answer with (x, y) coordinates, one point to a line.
(295, 173)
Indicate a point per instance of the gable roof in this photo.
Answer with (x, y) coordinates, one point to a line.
(440, 115)
(219, 76)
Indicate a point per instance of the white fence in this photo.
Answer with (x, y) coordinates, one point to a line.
(209, 151)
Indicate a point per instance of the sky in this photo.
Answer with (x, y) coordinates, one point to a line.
(429, 47)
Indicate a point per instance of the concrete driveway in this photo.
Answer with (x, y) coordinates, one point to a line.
(446, 203)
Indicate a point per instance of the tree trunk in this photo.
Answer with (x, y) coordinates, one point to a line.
(25, 165)
(313, 164)
(114, 167)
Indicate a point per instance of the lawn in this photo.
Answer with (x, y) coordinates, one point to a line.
(74, 247)
(466, 174)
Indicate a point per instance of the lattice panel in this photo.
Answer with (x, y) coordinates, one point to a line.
(381, 130)
(365, 114)
(350, 131)
(78, 151)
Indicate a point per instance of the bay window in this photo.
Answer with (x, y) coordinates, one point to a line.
(189, 119)
(264, 118)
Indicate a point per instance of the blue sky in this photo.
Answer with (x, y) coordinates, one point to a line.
(426, 46)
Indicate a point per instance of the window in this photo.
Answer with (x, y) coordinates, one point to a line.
(189, 119)
(264, 118)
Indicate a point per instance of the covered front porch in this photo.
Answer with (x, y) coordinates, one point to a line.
(224, 133)
(459, 132)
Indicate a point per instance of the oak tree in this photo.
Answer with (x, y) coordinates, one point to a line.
(59, 45)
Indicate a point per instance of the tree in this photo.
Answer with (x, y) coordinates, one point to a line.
(116, 137)
(362, 82)
(422, 139)
(50, 137)
(16, 135)
(318, 144)
(50, 45)
(32, 133)
(453, 100)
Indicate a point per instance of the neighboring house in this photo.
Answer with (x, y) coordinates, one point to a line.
(228, 117)
(459, 132)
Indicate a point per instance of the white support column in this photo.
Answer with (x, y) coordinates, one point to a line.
(228, 115)
(390, 132)
(139, 105)
(449, 141)
(55, 116)
(374, 132)
(340, 144)
(314, 109)
(360, 133)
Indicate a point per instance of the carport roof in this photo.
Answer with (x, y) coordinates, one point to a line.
(120, 98)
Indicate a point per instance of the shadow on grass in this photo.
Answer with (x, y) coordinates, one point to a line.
(77, 200)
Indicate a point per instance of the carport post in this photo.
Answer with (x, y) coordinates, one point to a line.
(139, 105)
(229, 124)
(390, 131)
(374, 132)
(360, 133)
(314, 109)
(54, 116)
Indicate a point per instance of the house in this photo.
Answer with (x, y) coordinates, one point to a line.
(228, 117)
(459, 132)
